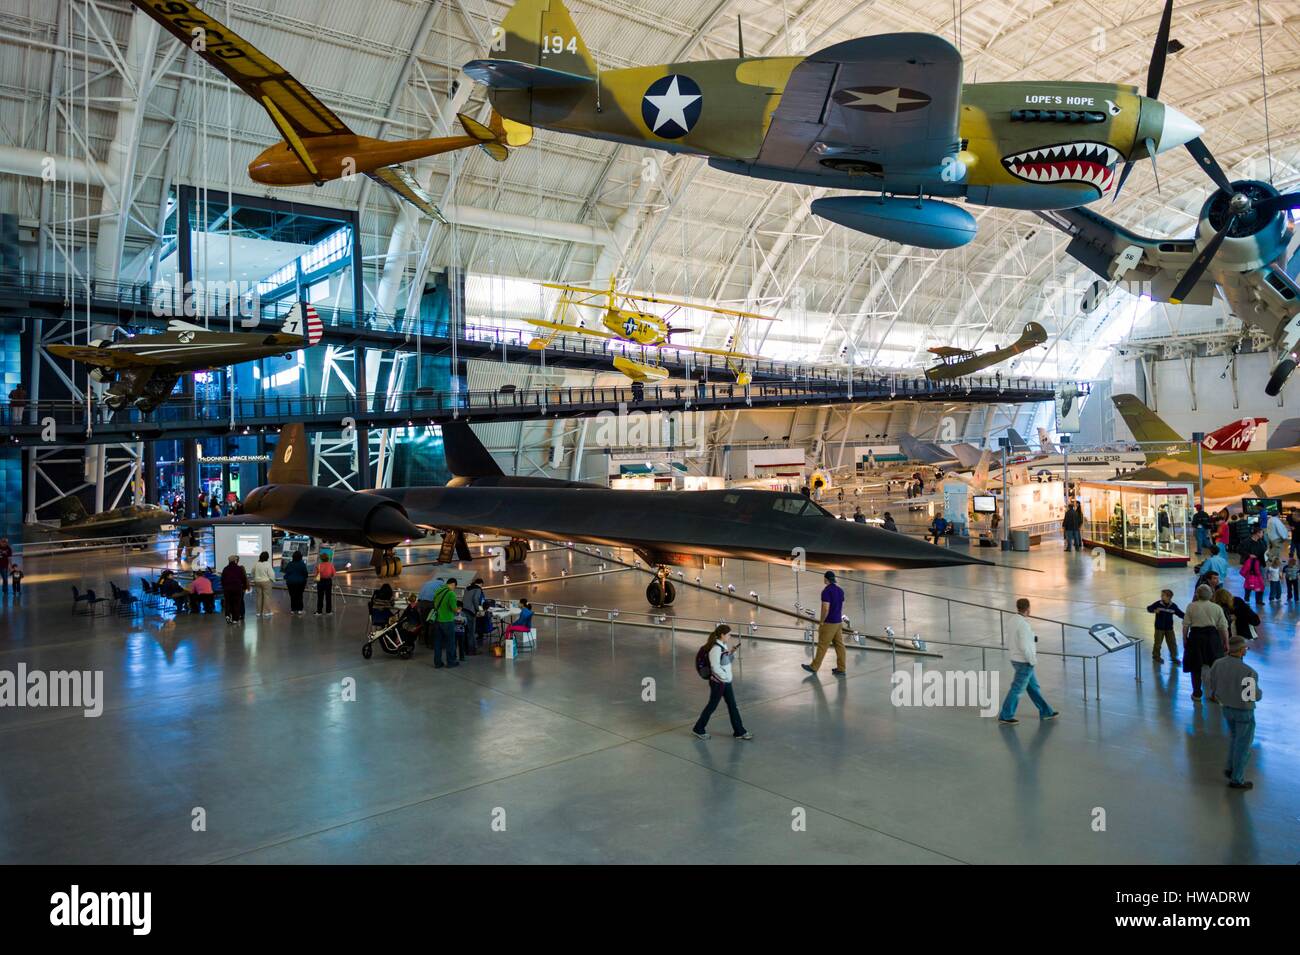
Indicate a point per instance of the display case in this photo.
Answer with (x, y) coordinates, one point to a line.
(1126, 519)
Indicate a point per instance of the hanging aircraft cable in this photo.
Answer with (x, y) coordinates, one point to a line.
(89, 264)
(231, 296)
(1263, 82)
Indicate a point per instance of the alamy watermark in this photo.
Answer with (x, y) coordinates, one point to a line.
(921, 687)
(82, 689)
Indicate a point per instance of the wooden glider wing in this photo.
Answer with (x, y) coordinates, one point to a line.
(400, 181)
(296, 112)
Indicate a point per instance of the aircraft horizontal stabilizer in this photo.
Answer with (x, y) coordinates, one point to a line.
(513, 75)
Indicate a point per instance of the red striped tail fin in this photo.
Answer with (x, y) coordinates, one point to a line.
(1236, 436)
(303, 321)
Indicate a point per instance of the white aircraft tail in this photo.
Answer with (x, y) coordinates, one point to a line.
(980, 476)
(303, 321)
(1045, 441)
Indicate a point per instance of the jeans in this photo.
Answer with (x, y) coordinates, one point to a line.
(1274, 590)
(1292, 589)
(295, 589)
(1202, 540)
(721, 691)
(444, 642)
(1073, 538)
(1241, 733)
(325, 594)
(1024, 680)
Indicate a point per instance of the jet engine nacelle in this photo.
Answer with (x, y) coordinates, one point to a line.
(353, 517)
(1253, 242)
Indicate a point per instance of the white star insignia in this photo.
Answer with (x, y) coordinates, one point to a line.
(889, 100)
(672, 106)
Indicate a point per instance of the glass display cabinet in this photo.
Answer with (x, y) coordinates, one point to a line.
(1143, 522)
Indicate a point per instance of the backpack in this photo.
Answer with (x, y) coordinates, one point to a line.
(702, 666)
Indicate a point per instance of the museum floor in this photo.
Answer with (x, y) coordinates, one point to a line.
(557, 757)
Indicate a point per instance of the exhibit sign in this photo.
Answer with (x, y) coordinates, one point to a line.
(1035, 504)
(246, 541)
(1109, 636)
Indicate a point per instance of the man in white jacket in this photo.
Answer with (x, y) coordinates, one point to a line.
(1024, 656)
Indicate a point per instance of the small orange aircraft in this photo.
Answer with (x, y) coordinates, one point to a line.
(318, 146)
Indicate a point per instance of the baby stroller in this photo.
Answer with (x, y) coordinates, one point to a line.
(386, 628)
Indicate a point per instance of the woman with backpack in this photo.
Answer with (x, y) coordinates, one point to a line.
(713, 663)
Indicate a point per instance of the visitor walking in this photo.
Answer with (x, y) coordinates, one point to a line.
(1205, 636)
(1201, 527)
(443, 618)
(1236, 688)
(1072, 525)
(1024, 657)
(830, 628)
(719, 654)
(1165, 610)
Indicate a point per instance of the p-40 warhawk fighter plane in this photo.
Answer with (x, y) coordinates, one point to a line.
(884, 114)
(664, 528)
(143, 369)
(626, 321)
(318, 146)
(957, 362)
(1229, 475)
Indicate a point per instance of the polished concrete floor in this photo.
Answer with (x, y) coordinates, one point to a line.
(558, 757)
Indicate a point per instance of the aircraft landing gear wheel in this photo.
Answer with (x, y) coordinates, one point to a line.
(1279, 377)
(670, 592)
(366, 651)
(655, 593)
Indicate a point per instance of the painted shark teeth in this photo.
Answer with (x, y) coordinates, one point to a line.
(1089, 163)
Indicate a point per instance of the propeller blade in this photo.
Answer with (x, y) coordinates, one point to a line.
(1151, 151)
(1201, 153)
(1201, 263)
(1156, 71)
(1123, 178)
(1267, 208)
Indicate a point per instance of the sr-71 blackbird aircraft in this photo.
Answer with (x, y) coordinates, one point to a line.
(664, 528)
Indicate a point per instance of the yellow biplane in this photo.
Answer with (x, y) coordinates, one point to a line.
(624, 319)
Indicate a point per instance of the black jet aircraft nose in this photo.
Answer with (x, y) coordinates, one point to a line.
(388, 526)
(863, 547)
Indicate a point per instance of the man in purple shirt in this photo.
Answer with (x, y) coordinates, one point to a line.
(830, 627)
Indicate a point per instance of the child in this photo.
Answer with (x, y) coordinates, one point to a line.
(1252, 576)
(16, 578)
(1165, 610)
(1274, 580)
(1292, 574)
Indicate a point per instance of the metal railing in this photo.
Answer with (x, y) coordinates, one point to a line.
(134, 304)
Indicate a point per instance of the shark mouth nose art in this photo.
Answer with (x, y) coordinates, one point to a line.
(1090, 163)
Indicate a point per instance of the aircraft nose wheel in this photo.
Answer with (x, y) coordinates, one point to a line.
(660, 594)
(386, 564)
